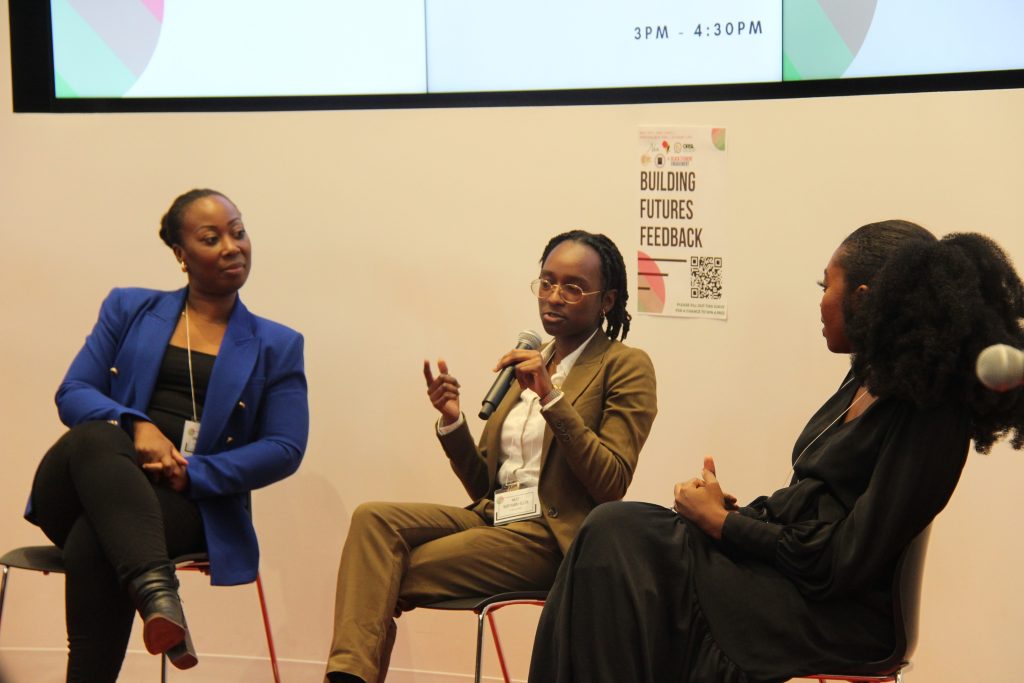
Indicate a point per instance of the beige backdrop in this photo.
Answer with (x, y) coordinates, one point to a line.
(390, 236)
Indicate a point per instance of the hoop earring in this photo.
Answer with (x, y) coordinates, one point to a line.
(184, 268)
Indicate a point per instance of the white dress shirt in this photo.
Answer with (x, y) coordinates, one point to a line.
(522, 433)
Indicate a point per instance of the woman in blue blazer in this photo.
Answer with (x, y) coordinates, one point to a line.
(179, 404)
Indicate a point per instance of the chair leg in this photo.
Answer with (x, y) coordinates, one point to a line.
(266, 627)
(479, 647)
(163, 668)
(3, 592)
(497, 647)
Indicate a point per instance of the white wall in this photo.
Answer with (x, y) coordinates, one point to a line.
(390, 236)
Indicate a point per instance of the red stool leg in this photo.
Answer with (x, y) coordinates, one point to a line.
(497, 646)
(266, 627)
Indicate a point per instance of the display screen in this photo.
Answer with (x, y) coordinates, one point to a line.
(137, 49)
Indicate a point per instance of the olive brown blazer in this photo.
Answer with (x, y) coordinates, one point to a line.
(592, 441)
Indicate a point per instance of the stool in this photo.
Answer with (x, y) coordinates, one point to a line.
(49, 559)
(485, 606)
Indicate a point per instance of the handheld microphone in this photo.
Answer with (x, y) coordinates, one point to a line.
(528, 339)
(1000, 367)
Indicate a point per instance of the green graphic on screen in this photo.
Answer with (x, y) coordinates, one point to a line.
(101, 47)
(820, 38)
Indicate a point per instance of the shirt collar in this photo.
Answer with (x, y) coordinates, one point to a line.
(563, 369)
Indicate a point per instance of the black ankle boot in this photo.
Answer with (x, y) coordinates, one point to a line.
(155, 594)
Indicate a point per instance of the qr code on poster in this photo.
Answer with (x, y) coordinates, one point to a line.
(705, 277)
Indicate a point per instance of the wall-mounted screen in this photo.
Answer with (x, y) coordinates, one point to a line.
(104, 50)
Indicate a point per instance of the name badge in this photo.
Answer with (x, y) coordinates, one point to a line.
(516, 505)
(189, 436)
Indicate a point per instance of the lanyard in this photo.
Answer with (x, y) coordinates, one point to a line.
(838, 417)
(191, 378)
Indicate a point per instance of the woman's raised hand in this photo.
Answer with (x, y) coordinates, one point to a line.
(443, 391)
(701, 501)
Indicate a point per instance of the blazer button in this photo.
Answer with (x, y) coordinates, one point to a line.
(113, 371)
(230, 440)
(552, 512)
(241, 405)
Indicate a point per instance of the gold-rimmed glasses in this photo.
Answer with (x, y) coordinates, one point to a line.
(570, 293)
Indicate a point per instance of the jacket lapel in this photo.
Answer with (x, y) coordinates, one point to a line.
(586, 366)
(580, 377)
(155, 330)
(236, 359)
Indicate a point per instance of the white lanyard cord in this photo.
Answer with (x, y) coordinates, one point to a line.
(191, 378)
(838, 417)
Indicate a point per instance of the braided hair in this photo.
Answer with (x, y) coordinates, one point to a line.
(170, 224)
(613, 275)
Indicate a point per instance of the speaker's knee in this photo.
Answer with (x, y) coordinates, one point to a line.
(98, 438)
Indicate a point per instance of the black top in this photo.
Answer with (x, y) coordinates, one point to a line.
(806, 573)
(171, 403)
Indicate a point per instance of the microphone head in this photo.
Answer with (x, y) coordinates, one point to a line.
(528, 339)
(1000, 367)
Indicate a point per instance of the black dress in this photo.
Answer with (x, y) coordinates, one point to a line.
(799, 584)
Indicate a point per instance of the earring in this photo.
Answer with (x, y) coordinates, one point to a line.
(184, 268)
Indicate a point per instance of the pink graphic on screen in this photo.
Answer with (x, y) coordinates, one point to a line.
(156, 7)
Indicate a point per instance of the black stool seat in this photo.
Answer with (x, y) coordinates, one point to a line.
(479, 604)
(40, 558)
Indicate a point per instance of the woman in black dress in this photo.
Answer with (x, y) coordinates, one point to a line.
(798, 582)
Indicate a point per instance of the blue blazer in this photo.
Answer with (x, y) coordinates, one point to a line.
(255, 419)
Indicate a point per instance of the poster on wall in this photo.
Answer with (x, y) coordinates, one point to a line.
(681, 260)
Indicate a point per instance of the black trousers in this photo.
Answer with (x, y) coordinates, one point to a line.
(91, 498)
